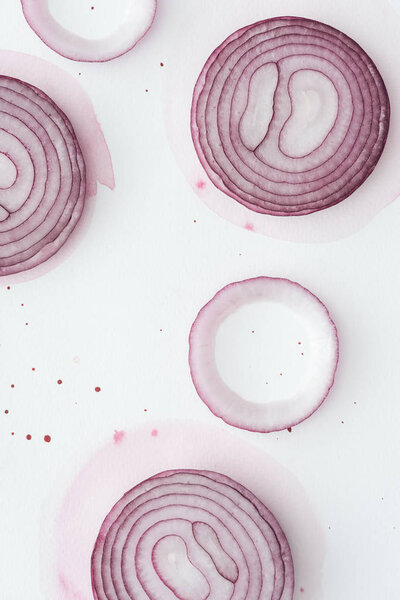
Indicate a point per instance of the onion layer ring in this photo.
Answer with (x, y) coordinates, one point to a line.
(276, 164)
(42, 206)
(223, 401)
(192, 535)
(137, 22)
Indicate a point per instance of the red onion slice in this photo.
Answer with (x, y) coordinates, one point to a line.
(138, 19)
(319, 137)
(192, 535)
(42, 206)
(275, 415)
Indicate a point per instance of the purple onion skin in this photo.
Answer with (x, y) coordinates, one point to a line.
(242, 173)
(247, 533)
(43, 206)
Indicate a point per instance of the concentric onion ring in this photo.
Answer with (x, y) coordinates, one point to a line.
(40, 209)
(327, 125)
(137, 22)
(277, 414)
(191, 535)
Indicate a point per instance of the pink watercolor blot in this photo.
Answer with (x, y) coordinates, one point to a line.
(154, 433)
(116, 468)
(201, 185)
(118, 436)
(249, 226)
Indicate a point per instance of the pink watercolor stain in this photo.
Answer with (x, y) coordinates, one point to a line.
(118, 436)
(201, 185)
(154, 433)
(249, 226)
(114, 469)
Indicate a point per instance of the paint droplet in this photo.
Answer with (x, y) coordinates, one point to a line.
(29, 437)
(194, 220)
(92, 8)
(302, 353)
(249, 226)
(161, 64)
(160, 329)
(33, 369)
(154, 433)
(8, 287)
(12, 433)
(342, 421)
(21, 304)
(302, 590)
(146, 90)
(59, 381)
(289, 429)
(252, 331)
(201, 185)
(12, 385)
(47, 438)
(97, 389)
(26, 323)
(299, 343)
(145, 409)
(6, 412)
(118, 436)
(280, 374)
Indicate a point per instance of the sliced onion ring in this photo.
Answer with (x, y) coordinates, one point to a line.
(326, 130)
(275, 415)
(192, 535)
(138, 20)
(40, 209)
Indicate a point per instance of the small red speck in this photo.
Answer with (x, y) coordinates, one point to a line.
(21, 304)
(146, 90)
(161, 64)
(289, 429)
(280, 374)
(249, 226)
(8, 287)
(160, 329)
(302, 353)
(299, 343)
(29, 437)
(145, 409)
(92, 8)
(354, 402)
(342, 421)
(33, 369)
(201, 185)
(59, 381)
(154, 433)
(79, 73)
(194, 220)
(6, 412)
(97, 389)
(26, 323)
(12, 433)
(12, 385)
(118, 436)
(252, 331)
(302, 590)
(47, 438)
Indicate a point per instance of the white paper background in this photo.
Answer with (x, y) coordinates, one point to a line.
(144, 265)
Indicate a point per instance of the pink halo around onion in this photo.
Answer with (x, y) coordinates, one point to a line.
(274, 415)
(289, 116)
(191, 535)
(138, 20)
(57, 162)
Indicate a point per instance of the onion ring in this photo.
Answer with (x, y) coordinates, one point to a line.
(191, 535)
(275, 415)
(41, 207)
(327, 125)
(137, 22)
